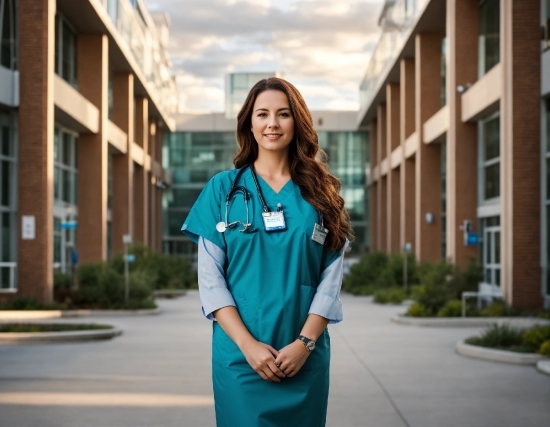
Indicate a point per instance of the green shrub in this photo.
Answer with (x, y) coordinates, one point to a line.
(545, 348)
(442, 282)
(536, 335)
(164, 271)
(499, 336)
(391, 295)
(364, 273)
(417, 310)
(62, 281)
(101, 286)
(452, 308)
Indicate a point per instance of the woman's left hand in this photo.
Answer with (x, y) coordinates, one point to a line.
(292, 357)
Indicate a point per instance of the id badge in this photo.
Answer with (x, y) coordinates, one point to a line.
(274, 221)
(319, 234)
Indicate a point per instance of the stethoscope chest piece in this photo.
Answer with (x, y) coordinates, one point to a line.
(221, 227)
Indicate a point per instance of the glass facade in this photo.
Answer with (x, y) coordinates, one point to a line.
(348, 159)
(65, 197)
(546, 197)
(65, 51)
(195, 157)
(443, 95)
(489, 137)
(8, 33)
(489, 35)
(8, 202)
(192, 158)
(237, 86)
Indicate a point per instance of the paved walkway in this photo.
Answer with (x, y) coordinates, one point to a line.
(158, 374)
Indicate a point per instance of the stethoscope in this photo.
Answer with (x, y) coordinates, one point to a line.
(222, 226)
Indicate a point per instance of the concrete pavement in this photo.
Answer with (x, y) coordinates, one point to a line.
(158, 374)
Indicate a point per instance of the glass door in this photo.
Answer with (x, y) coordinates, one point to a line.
(491, 255)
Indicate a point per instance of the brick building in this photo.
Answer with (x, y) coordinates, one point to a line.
(457, 99)
(86, 94)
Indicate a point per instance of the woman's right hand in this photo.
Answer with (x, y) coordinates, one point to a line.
(261, 357)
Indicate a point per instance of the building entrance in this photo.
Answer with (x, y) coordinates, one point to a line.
(491, 253)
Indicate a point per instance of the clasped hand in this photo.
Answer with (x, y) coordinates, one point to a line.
(273, 365)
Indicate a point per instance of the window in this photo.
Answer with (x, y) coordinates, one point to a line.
(65, 51)
(112, 10)
(547, 20)
(65, 167)
(489, 154)
(490, 249)
(8, 203)
(443, 95)
(546, 198)
(489, 35)
(8, 32)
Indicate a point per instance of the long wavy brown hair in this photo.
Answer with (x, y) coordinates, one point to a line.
(308, 162)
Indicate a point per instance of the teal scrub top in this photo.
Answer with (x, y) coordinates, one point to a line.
(272, 277)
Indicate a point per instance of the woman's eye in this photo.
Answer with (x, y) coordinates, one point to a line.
(285, 115)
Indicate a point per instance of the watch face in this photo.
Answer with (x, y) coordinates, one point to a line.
(310, 346)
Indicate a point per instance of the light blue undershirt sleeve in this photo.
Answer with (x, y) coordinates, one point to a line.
(326, 302)
(212, 285)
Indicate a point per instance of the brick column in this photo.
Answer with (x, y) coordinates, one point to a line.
(141, 176)
(382, 180)
(123, 117)
(520, 153)
(428, 162)
(462, 43)
(407, 170)
(92, 155)
(373, 205)
(393, 125)
(36, 119)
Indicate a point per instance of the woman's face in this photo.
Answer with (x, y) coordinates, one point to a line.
(272, 121)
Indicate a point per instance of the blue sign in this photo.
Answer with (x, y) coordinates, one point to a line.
(69, 225)
(471, 239)
(130, 258)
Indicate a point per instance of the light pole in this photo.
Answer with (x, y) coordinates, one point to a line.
(406, 249)
(126, 239)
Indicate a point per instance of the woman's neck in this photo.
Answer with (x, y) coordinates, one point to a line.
(272, 164)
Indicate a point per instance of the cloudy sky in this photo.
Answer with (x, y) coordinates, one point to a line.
(322, 46)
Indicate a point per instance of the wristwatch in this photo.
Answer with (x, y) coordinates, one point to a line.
(310, 344)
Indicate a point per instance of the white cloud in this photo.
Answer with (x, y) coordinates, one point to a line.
(322, 46)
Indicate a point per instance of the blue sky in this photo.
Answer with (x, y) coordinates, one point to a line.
(322, 46)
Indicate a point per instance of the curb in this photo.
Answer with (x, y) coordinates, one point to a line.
(544, 366)
(169, 293)
(467, 322)
(11, 315)
(493, 355)
(71, 336)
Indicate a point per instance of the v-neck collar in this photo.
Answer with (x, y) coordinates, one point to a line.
(268, 192)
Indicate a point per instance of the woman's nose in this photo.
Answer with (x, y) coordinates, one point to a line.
(273, 122)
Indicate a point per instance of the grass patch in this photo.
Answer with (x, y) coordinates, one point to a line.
(50, 327)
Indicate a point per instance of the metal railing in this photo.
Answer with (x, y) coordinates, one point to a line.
(149, 54)
(398, 19)
(10, 282)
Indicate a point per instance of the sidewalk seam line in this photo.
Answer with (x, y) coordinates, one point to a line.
(393, 404)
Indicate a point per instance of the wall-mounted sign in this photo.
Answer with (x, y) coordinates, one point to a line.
(69, 225)
(471, 239)
(130, 258)
(28, 227)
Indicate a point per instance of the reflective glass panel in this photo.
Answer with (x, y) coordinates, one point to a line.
(491, 133)
(6, 238)
(492, 181)
(6, 180)
(5, 135)
(56, 183)
(489, 35)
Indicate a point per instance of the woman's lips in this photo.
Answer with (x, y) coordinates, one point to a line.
(272, 136)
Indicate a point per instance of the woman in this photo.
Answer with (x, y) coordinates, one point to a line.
(271, 236)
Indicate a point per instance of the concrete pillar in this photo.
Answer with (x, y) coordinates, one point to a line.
(92, 155)
(36, 119)
(393, 128)
(123, 117)
(407, 170)
(141, 176)
(374, 185)
(428, 160)
(382, 187)
(520, 153)
(462, 54)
